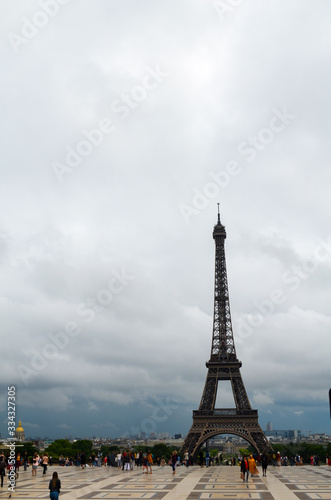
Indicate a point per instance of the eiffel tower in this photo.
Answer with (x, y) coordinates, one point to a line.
(223, 365)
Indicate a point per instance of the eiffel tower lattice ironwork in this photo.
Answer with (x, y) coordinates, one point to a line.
(223, 365)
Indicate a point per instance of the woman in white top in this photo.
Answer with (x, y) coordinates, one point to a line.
(35, 462)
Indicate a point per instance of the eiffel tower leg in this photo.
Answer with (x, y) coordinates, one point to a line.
(262, 444)
(190, 443)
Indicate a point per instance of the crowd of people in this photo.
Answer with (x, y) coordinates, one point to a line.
(128, 460)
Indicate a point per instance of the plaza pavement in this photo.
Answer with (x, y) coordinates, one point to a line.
(216, 482)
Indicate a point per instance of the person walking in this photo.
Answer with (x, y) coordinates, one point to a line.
(54, 486)
(186, 458)
(244, 468)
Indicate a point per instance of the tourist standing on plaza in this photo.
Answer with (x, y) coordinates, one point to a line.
(173, 461)
(127, 461)
(145, 463)
(149, 461)
(207, 457)
(264, 462)
(83, 460)
(244, 468)
(133, 458)
(35, 462)
(26, 461)
(201, 458)
(45, 463)
(119, 460)
(252, 466)
(54, 486)
(186, 458)
(2, 468)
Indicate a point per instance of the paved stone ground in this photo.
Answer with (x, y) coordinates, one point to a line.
(195, 483)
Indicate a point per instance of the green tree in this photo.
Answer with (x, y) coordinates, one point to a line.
(82, 445)
(307, 450)
(60, 447)
(161, 450)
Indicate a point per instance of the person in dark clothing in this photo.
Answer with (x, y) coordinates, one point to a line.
(2, 468)
(83, 460)
(26, 460)
(201, 458)
(174, 459)
(54, 486)
(264, 462)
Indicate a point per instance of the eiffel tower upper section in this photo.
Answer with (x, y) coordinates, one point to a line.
(222, 347)
(223, 363)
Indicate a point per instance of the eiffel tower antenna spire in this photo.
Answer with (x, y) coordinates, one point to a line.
(223, 365)
(218, 218)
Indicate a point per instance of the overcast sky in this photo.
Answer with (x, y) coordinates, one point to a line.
(123, 124)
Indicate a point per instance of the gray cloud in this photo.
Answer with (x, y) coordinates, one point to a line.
(119, 208)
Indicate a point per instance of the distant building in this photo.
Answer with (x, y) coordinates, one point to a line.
(269, 426)
(19, 433)
(284, 434)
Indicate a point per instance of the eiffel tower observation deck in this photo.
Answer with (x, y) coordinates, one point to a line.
(223, 365)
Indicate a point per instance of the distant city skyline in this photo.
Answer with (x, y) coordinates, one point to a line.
(269, 430)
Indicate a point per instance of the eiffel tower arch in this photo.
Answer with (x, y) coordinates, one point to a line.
(223, 365)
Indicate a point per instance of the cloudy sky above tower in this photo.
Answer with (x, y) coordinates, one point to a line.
(123, 124)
